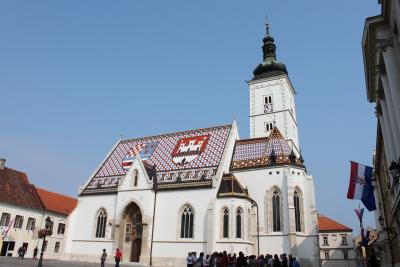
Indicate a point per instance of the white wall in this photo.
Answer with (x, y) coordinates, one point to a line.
(82, 232)
(259, 183)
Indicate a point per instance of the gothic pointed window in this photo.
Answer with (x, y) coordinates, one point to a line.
(226, 224)
(187, 217)
(276, 210)
(297, 209)
(136, 178)
(239, 223)
(101, 223)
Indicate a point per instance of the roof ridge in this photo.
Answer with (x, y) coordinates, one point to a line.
(173, 133)
(55, 193)
(338, 224)
(251, 139)
(17, 171)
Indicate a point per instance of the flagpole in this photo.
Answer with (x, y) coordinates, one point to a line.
(363, 249)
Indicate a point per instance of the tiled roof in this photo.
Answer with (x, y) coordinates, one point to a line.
(178, 158)
(264, 151)
(230, 187)
(15, 189)
(326, 224)
(56, 202)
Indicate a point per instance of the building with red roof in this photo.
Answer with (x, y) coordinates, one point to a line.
(335, 242)
(23, 210)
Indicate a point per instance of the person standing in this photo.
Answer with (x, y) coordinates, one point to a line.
(23, 251)
(35, 252)
(284, 260)
(295, 262)
(117, 257)
(206, 261)
(276, 262)
(241, 260)
(189, 260)
(200, 259)
(19, 252)
(103, 257)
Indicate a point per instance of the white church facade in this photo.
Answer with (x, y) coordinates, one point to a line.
(156, 198)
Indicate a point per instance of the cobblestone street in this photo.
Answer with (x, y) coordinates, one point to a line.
(14, 262)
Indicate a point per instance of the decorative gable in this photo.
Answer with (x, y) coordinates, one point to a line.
(264, 151)
(230, 187)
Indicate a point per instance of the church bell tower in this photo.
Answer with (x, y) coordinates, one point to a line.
(272, 97)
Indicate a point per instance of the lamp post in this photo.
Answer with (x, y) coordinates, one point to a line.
(254, 204)
(43, 233)
(394, 170)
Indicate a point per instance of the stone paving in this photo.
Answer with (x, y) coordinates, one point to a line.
(14, 262)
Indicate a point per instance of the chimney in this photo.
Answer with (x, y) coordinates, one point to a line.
(2, 163)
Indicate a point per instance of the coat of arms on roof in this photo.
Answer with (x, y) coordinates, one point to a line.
(144, 150)
(189, 148)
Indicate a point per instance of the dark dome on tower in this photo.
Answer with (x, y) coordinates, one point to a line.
(270, 66)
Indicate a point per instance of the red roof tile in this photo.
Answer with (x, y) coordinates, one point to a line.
(56, 202)
(326, 224)
(15, 189)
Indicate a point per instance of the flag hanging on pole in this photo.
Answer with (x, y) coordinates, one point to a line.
(360, 213)
(7, 229)
(360, 185)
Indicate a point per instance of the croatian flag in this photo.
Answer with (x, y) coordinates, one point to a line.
(360, 185)
(7, 229)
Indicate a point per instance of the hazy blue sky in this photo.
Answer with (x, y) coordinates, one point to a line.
(74, 75)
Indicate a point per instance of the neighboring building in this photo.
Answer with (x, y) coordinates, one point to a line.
(158, 197)
(57, 207)
(335, 243)
(381, 49)
(27, 207)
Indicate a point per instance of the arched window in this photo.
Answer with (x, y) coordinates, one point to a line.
(136, 178)
(297, 209)
(187, 217)
(226, 224)
(101, 224)
(276, 210)
(239, 223)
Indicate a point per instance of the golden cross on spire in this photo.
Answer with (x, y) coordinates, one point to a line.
(267, 25)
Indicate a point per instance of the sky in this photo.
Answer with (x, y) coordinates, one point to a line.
(75, 75)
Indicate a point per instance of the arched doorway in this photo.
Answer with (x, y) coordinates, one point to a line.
(133, 232)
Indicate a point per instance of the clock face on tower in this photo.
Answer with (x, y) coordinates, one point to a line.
(268, 108)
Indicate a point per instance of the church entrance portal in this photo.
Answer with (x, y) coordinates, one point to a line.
(133, 232)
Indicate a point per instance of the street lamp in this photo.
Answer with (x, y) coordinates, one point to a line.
(42, 234)
(254, 204)
(381, 221)
(394, 170)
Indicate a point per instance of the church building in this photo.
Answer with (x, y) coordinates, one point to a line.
(158, 197)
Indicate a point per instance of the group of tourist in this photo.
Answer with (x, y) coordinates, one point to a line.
(222, 259)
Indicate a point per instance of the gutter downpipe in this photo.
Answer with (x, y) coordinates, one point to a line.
(254, 203)
(154, 216)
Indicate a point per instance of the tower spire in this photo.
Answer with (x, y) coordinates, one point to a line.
(269, 64)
